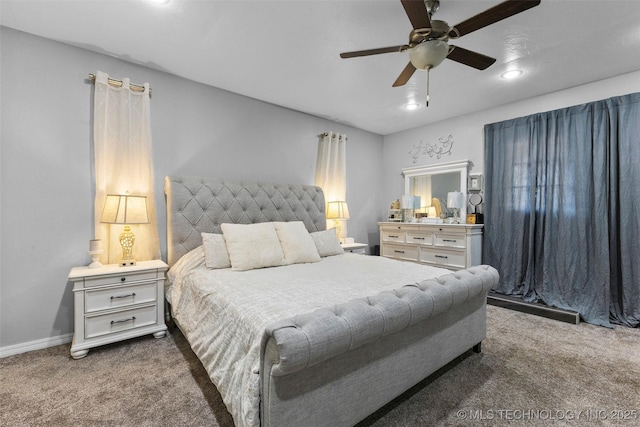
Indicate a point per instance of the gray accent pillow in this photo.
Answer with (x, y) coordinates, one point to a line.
(215, 251)
(327, 242)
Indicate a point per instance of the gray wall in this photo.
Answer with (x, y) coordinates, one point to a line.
(468, 131)
(46, 188)
(46, 159)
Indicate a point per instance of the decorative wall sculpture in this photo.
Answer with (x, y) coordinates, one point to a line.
(443, 146)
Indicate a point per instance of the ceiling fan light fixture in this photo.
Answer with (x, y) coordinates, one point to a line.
(429, 54)
(511, 74)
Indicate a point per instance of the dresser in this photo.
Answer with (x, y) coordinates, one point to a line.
(452, 246)
(113, 303)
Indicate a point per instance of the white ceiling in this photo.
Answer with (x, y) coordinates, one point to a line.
(287, 52)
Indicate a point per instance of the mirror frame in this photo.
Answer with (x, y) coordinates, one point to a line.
(462, 167)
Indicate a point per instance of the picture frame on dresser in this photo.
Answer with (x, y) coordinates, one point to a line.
(475, 182)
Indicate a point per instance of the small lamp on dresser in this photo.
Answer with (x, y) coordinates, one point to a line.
(338, 211)
(125, 209)
(455, 199)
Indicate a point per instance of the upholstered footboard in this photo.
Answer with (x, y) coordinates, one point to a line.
(336, 366)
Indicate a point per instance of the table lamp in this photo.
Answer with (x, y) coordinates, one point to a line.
(454, 201)
(337, 211)
(125, 209)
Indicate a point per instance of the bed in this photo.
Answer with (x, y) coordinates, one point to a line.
(317, 337)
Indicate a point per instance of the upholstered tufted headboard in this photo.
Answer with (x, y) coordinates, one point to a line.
(197, 204)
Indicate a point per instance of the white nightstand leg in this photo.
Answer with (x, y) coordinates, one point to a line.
(79, 354)
(160, 334)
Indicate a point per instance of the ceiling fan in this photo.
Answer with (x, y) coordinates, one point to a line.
(428, 45)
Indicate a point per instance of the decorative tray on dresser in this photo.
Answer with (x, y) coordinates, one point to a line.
(113, 303)
(452, 246)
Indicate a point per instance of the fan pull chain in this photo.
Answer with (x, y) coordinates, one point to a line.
(428, 69)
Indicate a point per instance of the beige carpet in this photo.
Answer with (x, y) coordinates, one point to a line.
(532, 371)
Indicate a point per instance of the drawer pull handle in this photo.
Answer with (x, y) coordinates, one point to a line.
(122, 279)
(398, 252)
(449, 240)
(394, 237)
(132, 294)
(442, 256)
(418, 238)
(131, 319)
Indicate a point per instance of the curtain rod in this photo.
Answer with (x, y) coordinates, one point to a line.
(118, 83)
(322, 135)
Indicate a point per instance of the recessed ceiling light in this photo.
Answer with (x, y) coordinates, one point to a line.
(411, 106)
(511, 74)
(161, 2)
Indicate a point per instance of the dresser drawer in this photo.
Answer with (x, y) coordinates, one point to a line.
(121, 296)
(119, 321)
(393, 236)
(444, 257)
(421, 238)
(450, 240)
(125, 277)
(400, 252)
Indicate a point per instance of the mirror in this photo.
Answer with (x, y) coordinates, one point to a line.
(435, 181)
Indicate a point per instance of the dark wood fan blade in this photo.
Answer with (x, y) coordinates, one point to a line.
(373, 51)
(470, 58)
(491, 16)
(417, 13)
(405, 75)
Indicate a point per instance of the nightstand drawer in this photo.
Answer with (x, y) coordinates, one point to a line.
(355, 248)
(360, 251)
(119, 321)
(123, 278)
(121, 296)
(443, 257)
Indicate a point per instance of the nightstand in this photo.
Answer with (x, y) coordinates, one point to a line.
(356, 248)
(113, 303)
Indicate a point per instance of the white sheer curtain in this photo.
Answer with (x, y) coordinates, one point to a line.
(331, 169)
(123, 163)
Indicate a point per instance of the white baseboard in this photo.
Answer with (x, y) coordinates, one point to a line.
(35, 345)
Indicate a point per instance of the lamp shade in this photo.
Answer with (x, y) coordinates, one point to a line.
(406, 201)
(125, 209)
(455, 199)
(337, 210)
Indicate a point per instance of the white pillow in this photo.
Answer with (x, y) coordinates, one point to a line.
(215, 251)
(297, 245)
(253, 245)
(327, 242)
